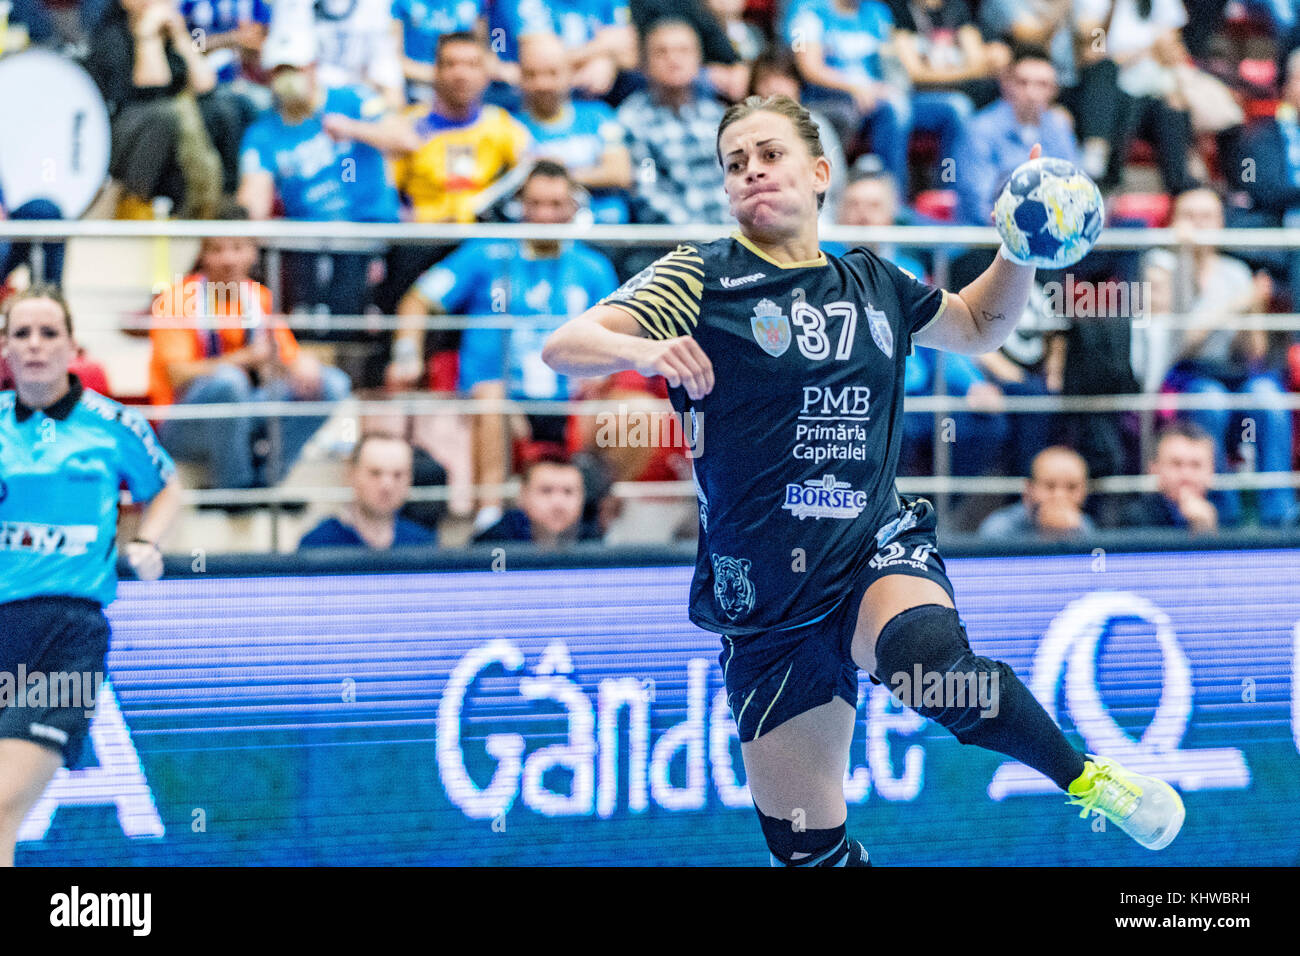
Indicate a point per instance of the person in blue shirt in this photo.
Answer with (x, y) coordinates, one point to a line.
(843, 50)
(15, 254)
(293, 152)
(227, 30)
(64, 454)
(550, 507)
(1183, 466)
(381, 472)
(597, 34)
(539, 284)
(999, 135)
(1051, 505)
(582, 135)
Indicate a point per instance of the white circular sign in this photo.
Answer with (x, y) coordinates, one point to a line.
(56, 139)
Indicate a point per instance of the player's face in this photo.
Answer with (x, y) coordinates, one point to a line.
(1183, 466)
(770, 177)
(544, 77)
(547, 200)
(1058, 479)
(460, 75)
(37, 346)
(228, 259)
(552, 498)
(381, 478)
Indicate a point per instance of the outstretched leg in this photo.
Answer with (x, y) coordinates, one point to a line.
(905, 621)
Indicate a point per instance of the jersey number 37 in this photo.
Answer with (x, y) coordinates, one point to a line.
(814, 341)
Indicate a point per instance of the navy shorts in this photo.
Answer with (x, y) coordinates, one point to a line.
(775, 675)
(56, 644)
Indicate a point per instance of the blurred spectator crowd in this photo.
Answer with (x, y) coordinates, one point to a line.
(1186, 113)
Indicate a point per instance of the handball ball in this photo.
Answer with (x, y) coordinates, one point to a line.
(1049, 214)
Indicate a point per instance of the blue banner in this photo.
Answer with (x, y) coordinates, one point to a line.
(575, 716)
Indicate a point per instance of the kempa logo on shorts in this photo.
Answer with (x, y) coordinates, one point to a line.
(824, 497)
(730, 283)
(895, 553)
(74, 908)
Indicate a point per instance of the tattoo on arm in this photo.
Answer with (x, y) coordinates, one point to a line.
(990, 318)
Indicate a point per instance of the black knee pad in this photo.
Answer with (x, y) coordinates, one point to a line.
(924, 658)
(823, 847)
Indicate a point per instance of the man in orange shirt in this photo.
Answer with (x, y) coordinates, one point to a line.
(197, 360)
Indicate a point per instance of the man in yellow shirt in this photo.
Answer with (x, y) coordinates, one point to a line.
(450, 160)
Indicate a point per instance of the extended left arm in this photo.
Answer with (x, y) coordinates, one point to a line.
(143, 554)
(980, 317)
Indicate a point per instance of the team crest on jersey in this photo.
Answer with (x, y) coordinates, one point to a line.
(881, 333)
(771, 328)
(731, 586)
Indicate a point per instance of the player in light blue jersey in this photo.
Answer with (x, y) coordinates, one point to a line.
(64, 454)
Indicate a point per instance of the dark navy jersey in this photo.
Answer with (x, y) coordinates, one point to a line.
(796, 447)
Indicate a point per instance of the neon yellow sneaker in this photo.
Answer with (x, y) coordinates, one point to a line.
(1147, 809)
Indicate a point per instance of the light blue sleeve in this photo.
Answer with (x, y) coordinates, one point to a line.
(143, 463)
(451, 283)
(979, 174)
(599, 279)
(254, 153)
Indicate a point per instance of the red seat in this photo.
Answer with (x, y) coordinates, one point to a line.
(1140, 153)
(1258, 109)
(938, 204)
(1153, 209)
(444, 371)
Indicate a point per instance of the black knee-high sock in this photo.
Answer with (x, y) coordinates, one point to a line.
(1024, 730)
(932, 636)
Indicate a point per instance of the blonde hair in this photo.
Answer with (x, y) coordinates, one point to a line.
(804, 124)
(37, 290)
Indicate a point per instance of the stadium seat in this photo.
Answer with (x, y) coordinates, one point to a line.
(1151, 209)
(940, 204)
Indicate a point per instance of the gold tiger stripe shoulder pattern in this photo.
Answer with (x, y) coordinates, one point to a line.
(667, 303)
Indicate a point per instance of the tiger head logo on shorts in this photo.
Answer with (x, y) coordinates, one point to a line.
(732, 587)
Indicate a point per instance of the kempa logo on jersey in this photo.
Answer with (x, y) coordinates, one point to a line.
(824, 497)
(730, 283)
(65, 539)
